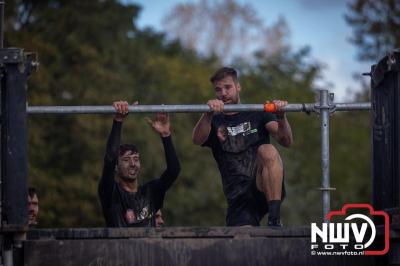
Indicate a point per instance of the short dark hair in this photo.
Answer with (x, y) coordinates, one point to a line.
(127, 147)
(224, 72)
(31, 192)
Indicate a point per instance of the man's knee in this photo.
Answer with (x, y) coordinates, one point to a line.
(267, 153)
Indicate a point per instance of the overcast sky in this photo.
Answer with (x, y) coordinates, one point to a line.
(315, 23)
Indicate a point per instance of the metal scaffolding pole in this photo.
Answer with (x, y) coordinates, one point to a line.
(325, 108)
(189, 108)
(351, 106)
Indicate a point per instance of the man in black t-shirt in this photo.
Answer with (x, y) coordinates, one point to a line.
(124, 202)
(250, 167)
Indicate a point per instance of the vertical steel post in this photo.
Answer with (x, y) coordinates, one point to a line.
(2, 2)
(16, 67)
(8, 258)
(14, 139)
(324, 109)
(5, 253)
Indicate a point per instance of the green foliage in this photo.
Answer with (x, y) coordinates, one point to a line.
(91, 53)
(376, 27)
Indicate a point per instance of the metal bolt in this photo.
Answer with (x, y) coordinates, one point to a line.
(35, 64)
(331, 97)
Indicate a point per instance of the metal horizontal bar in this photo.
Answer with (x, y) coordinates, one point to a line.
(194, 108)
(353, 106)
(108, 109)
(189, 108)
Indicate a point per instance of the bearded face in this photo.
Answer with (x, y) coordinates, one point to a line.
(227, 90)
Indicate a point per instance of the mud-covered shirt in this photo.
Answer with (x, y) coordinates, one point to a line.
(133, 209)
(234, 140)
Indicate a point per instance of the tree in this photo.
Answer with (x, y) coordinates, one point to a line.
(376, 26)
(91, 53)
(224, 28)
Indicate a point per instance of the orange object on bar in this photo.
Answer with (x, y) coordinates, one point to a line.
(269, 108)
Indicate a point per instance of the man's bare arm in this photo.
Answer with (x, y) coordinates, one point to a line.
(203, 127)
(281, 131)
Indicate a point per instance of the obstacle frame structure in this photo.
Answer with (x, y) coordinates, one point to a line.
(324, 107)
(15, 68)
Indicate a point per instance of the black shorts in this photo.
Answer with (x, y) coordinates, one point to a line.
(250, 207)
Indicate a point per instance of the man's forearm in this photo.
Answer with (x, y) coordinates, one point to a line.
(107, 177)
(285, 136)
(114, 140)
(171, 158)
(202, 129)
(173, 166)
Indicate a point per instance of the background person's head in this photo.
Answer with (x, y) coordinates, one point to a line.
(159, 219)
(128, 165)
(33, 206)
(226, 85)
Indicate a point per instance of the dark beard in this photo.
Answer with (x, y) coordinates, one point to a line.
(128, 180)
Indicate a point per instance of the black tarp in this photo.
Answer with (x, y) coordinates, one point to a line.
(385, 84)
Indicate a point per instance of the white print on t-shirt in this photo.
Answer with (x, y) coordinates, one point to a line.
(241, 128)
(143, 214)
(130, 216)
